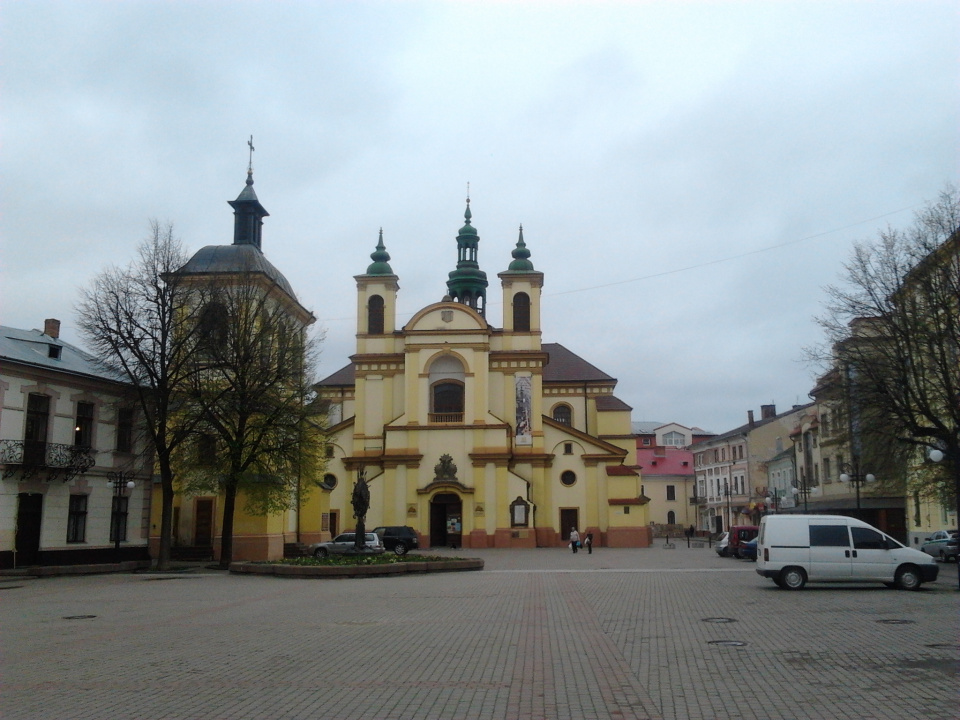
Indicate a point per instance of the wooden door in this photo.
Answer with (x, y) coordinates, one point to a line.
(203, 523)
(29, 522)
(569, 519)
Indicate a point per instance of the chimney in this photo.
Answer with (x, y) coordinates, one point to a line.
(768, 411)
(750, 421)
(51, 328)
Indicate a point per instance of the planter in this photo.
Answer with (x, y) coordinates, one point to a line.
(354, 571)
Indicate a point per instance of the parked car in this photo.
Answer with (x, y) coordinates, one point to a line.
(795, 549)
(345, 543)
(739, 534)
(748, 551)
(723, 543)
(939, 546)
(399, 538)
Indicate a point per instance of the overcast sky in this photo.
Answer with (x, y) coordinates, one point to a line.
(688, 175)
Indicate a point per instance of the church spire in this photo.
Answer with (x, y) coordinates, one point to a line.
(521, 256)
(380, 257)
(468, 283)
(248, 213)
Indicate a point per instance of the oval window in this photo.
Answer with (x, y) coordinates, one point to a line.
(568, 477)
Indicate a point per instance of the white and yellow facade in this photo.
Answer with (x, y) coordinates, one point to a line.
(475, 435)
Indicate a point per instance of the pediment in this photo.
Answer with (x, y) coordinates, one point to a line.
(446, 316)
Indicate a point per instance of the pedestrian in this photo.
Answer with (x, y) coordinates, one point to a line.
(574, 540)
(588, 543)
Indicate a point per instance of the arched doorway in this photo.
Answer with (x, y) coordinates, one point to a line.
(446, 521)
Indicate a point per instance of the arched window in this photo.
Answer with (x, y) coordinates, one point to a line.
(671, 518)
(213, 327)
(446, 390)
(521, 312)
(375, 315)
(448, 401)
(563, 414)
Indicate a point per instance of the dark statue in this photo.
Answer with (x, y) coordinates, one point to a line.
(361, 503)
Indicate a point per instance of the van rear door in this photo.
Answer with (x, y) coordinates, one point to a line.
(831, 554)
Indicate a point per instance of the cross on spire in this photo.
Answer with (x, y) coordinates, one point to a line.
(250, 163)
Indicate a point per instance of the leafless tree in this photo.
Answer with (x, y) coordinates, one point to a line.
(260, 427)
(893, 328)
(131, 319)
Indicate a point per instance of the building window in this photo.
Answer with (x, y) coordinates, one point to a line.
(328, 451)
(35, 432)
(125, 430)
(206, 449)
(674, 439)
(671, 518)
(83, 430)
(448, 402)
(521, 312)
(568, 477)
(213, 327)
(671, 492)
(563, 414)
(77, 519)
(330, 481)
(118, 519)
(375, 315)
(646, 441)
(568, 448)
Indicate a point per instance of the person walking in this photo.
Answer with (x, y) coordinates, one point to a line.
(588, 543)
(574, 540)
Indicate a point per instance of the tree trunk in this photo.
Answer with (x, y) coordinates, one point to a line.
(226, 533)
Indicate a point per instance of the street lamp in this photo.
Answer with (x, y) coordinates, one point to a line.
(858, 479)
(120, 482)
(726, 492)
(802, 492)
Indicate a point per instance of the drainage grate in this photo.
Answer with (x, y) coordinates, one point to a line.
(718, 620)
(158, 579)
(895, 622)
(942, 645)
(10, 587)
(78, 617)
(727, 643)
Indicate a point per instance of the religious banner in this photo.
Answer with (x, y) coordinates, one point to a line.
(524, 434)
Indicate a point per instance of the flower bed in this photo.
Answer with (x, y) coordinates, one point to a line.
(347, 566)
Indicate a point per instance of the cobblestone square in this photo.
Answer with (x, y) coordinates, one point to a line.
(654, 633)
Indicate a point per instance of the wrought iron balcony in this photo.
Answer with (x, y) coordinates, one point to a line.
(446, 417)
(29, 457)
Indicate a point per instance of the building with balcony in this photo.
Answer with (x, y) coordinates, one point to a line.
(477, 435)
(732, 468)
(76, 482)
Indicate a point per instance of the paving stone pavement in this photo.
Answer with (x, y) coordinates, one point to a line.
(538, 634)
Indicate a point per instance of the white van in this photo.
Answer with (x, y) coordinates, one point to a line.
(793, 550)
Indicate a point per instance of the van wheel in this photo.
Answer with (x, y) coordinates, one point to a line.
(908, 578)
(793, 578)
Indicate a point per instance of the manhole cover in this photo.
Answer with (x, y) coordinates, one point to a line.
(895, 622)
(718, 620)
(78, 617)
(727, 643)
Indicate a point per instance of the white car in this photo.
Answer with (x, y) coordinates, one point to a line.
(939, 546)
(345, 543)
(796, 549)
(723, 544)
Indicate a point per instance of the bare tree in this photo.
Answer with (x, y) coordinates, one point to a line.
(894, 329)
(131, 318)
(259, 425)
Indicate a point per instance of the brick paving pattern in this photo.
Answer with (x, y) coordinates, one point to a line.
(539, 634)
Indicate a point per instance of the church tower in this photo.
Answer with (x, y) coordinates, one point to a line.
(376, 302)
(468, 283)
(522, 286)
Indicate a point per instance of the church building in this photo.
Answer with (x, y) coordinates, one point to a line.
(477, 436)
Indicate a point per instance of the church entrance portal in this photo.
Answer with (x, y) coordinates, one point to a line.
(446, 521)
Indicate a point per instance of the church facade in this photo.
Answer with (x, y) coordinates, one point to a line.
(476, 435)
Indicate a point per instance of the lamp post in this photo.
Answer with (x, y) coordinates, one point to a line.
(857, 478)
(802, 492)
(726, 492)
(120, 481)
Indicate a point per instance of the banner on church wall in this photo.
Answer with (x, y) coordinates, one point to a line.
(524, 435)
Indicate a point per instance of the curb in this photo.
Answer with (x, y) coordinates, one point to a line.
(354, 571)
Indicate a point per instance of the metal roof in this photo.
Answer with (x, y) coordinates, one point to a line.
(32, 347)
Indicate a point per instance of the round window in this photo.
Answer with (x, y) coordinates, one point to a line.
(568, 477)
(330, 481)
